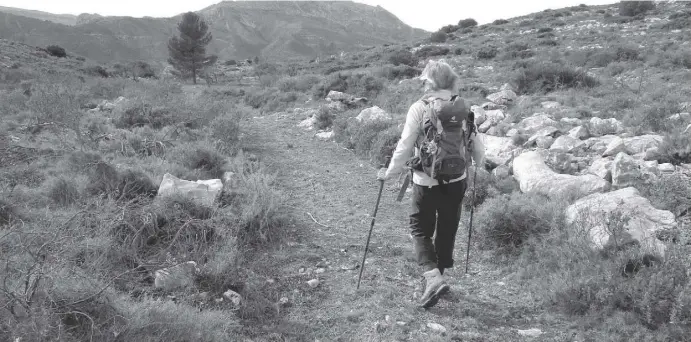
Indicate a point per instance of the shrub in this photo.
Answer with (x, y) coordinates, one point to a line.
(487, 52)
(500, 22)
(668, 192)
(385, 144)
(397, 72)
(358, 84)
(7, 213)
(105, 180)
(466, 23)
(63, 192)
(404, 57)
(459, 51)
(80, 161)
(547, 77)
(507, 221)
(142, 114)
(546, 35)
(231, 62)
(324, 118)
(676, 149)
(682, 59)
(545, 29)
(202, 159)
(634, 8)
(678, 23)
(548, 42)
(97, 71)
(361, 136)
(225, 130)
(56, 51)
(431, 51)
(438, 37)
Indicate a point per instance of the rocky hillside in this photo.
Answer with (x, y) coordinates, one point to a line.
(65, 19)
(275, 30)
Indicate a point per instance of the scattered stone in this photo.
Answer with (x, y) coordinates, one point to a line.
(566, 143)
(601, 167)
(325, 136)
(337, 106)
(614, 147)
(504, 97)
(641, 144)
(501, 172)
(313, 283)
(544, 142)
(492, 106)
(642, 219)
(484, 128)
(495, 116)
(308, 124)
(550, 105)
(533, 332)
(599, 127)
(652, 153)
(666, 167)
(401, 323)
(372, 114)
(233, 297)
(498, 150)
(175, 277)
(511, 133)
(535, 123)
(599, 144)
(548, 131)
(346, 99)
(438, 328)
(108, 106)
(284, 301)
(205, 192)
(534, 175)
(579, 132)
(625, 171)
(680, 117)
(480, 115)
(320, 270)
(571, 121)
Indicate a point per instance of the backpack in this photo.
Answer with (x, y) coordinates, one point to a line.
(442, 149)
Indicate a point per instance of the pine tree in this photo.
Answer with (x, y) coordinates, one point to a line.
(188, 52)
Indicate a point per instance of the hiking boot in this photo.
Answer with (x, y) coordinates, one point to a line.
(435, 287)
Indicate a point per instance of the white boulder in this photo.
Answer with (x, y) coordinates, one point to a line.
(534, 175)
(599, 127)
(567, 144)
(505, 97)
(640, 223)
(373, 114)
(205, 192)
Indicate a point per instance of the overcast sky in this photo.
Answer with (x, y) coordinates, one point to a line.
(425, 14)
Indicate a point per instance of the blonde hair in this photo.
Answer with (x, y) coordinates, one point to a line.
(440, 75)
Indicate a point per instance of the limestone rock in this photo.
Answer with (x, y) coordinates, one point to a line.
(550, 104)
(480, 115)
(640, 144)
(567, 144)
(599, 127)
(548, 131)
(534, 175)
(601, 167)
(625, 171)
(579, 132)
(535, 123)
(544, 142)
(504, 97)
(614, 147)
(599, 144)
(205, 192)
(325, 136)
(373, 114)
(642, 220)
(498, 150)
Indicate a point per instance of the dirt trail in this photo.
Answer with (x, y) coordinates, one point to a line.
(339, 190)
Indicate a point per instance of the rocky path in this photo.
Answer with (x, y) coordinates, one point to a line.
(333, 193)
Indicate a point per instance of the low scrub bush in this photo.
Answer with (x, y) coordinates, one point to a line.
(466, 23)
(487, 52)
(364, 137)
(298, 83)
(506, 222)
(324, 118)
(548, 42)
(500, 22)
(404, 57)
(358, 84)
(105, 180)
(438, 37)
(547, 77)
(7, 212)
(56, 51)
(225, 131)
(676, 148)
(680, 22)
(669, 192)
(545, 29)
(390, 72)
(634, 8)
(206, 163)
(431, 51)
(63, 192)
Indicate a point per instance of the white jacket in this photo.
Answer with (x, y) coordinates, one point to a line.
(406, 148)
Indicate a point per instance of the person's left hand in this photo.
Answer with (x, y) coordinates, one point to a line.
(381, 175)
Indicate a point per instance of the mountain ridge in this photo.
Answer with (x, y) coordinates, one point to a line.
(270, 29)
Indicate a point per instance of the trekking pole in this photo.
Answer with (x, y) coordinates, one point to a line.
(470, 225)
(374, 216)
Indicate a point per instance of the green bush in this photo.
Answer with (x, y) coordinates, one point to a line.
(225, 129)
(404, 57)
(466, 23)
(397, 72)
(548, 42)
(487, 52)
(56, 51)
(500, 22)
(142, 114)
(506, 222)
(207, 161)
(438, 37)
(63, 192)
(634, 8)
(431, 51)
(358, 84)
(547, 77)
(545, 30)
(105, 180)
(324, 118)
(363, 137)
(8, 213)
(676, 148)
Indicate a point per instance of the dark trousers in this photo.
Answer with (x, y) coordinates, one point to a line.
(436, 207)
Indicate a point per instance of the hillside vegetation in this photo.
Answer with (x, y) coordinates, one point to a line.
(592, 101)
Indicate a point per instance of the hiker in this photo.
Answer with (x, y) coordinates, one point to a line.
(436, 201)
